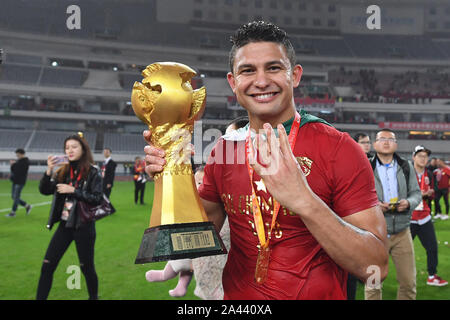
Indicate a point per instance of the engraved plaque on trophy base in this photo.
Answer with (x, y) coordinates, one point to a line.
(180, 241)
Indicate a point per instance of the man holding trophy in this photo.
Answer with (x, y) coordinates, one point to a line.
(179, 227)
(299, 195)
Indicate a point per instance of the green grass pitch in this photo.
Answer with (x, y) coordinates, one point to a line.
(24, 240)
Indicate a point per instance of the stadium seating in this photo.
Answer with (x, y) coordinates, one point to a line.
(23, 58)
(63, 77)
(329, 47)
(376, 66)
(124, 143)
(19, 73)
(52, 141)
(127, 80)
(444, 47)
(101, 79)
(217, 86)
(15, 123)
(13, 139)
(377, 46)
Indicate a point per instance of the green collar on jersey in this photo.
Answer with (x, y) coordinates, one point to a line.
(305, 118)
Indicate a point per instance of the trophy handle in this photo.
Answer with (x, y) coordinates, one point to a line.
(198, 104)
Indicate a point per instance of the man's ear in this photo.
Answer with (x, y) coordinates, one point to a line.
(297, 75)
(231, 81)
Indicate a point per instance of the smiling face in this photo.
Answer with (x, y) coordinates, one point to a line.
(263, 81)
(73, 150)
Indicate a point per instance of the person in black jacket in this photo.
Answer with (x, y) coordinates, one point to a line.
(73, 182)
(108, 172)
(139, 178)
(19, 173)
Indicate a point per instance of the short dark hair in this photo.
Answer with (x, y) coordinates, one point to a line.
(386, 130)
(360, 135)
(260, 31)
(109, 149)
(20, 150)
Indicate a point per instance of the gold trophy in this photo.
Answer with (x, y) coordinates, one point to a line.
(179, 227)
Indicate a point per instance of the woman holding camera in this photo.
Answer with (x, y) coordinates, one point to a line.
(76, 180)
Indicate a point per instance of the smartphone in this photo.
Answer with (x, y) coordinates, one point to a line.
(393, 206)
(60, 160)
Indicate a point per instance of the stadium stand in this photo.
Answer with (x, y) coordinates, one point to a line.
(63, 77)
(217, 86)
(124, 143)
(382, 46)
(15, 123)
(13, 139)
(127, 80)
(355, 81)
(19, 74)
(102, 80)
(444, 47)
(52, 141)
(331, 47)
(24, 59)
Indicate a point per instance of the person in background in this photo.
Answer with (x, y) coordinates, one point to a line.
(421, 223)
(140, 179)
(19, 174)
(108, 172)
(443, 182)
(432, 165)
(363, 140)
(74, 182)
(398, 193)
(441, 165)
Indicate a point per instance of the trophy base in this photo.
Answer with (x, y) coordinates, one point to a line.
(180, 241)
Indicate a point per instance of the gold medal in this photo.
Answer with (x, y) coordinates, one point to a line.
(262, 265)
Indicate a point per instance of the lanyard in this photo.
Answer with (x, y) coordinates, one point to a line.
(422, 180)
(139, 167)
(257, 215)
(78, 178)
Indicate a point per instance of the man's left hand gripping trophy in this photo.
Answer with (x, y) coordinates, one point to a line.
(179, 227)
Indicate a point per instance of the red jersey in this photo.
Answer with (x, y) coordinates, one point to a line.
(139, 170)
(442, 177)
(337, 171)
(422, 211)
(446, 169)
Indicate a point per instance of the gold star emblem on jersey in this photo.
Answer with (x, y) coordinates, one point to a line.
(260, 186)
(305, 164)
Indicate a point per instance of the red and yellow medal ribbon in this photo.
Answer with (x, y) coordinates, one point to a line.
(257, 215)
